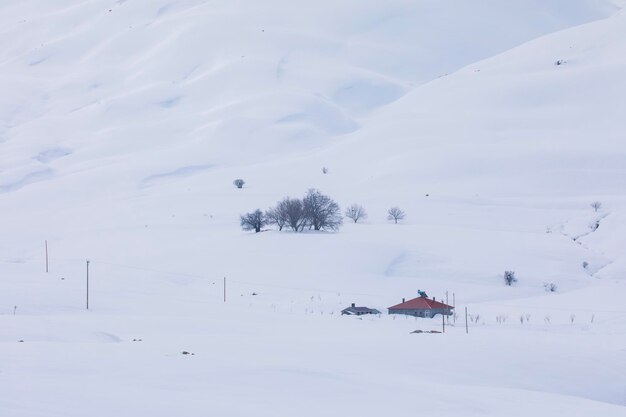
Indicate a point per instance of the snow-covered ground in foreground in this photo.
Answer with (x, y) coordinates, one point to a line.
(123, 124)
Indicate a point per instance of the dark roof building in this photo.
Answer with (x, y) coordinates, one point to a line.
(358, 311)
(421, 307)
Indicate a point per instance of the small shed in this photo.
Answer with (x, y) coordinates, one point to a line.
(421, 307)
(358, 311)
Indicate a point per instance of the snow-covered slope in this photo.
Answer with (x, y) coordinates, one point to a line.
(230, 82)
(124, 123)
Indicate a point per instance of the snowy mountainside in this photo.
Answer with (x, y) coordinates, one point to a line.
(516, 130)
(222, 76)
(124, 123)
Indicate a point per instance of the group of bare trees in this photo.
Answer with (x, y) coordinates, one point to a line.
(356, 212)
(315, 211)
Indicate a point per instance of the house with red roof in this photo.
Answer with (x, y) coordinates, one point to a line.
(421, 307)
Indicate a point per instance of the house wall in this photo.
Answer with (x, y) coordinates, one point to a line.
(423, 312)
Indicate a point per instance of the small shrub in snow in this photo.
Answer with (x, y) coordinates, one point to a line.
(596, 205)
(594, 226)
(560, 62)
(585, 264)
(395, 214)
(324, 170)
(509, 278)
(253, 221)
(356, 212)
(239, 183)
(572, 318)
(546, 319)
(550, 287)
(527, 317)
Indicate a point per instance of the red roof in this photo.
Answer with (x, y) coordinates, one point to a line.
(420, 303)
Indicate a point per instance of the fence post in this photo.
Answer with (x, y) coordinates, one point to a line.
(46, 255)
(87, 284)
(466, 327)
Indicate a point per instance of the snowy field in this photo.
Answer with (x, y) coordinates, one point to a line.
(123, 124)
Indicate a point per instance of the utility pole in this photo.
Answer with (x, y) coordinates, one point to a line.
(454, 308)
(46, 255)
(466, 328)
(224, 289)
(443, 322)
(87, 284)
(448, 317)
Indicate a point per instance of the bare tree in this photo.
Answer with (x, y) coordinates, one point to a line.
(277, 215)
(239, 183)
(509, 277)
(356, 213)
(395, 214)
(293, 210)
(253, 221)
(596, 205)
(321, 211)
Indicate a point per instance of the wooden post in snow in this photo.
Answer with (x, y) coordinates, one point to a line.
(46, 255)
(454, 308)
(443, 323)
(466, 327)
(448, 317)
(87, 284)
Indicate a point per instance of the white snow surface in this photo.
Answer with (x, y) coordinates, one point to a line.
(123, 124)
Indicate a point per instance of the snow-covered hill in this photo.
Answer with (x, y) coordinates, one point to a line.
(123, 124)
